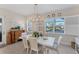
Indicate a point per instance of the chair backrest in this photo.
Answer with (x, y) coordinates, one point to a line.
(25, 42)
(77, 40)
(59, 39)
(23, 34)
(33, 43)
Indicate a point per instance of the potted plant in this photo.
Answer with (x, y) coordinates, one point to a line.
(35, 34)
(18, 27)
(40, 34)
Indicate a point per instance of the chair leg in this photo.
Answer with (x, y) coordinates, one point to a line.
(57, 51)
(46, 50)
(37, 52)
(30, 51)
(27, 50)
(43, 51)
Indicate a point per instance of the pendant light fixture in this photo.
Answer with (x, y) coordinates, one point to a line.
(36, 18)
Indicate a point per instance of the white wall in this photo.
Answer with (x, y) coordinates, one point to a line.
(18, 21)
(71, 11)
(72, 25)
(11, 19)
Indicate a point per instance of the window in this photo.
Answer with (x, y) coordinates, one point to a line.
(49, 25)
(59, 25)
(29, 25)
(55, 25)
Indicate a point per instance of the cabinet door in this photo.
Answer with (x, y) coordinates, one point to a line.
(13, 36)
(17, 34)
(9, 38)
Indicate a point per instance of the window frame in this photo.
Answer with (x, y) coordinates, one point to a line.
(54, 26)
(27, 25)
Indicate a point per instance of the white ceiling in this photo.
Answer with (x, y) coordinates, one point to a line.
(28, 9)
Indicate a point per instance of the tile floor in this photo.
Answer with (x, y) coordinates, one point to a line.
(18, 48)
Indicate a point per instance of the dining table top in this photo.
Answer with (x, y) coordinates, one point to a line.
(46, 41)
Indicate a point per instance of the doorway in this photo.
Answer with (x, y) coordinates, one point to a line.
(0, 29)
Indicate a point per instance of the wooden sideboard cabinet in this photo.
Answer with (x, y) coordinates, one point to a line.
(13, 36)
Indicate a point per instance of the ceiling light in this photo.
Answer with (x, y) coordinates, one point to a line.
(36, 18)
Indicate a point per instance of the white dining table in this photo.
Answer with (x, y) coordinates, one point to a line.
(46, 41)
(77, 40)
(77, 44)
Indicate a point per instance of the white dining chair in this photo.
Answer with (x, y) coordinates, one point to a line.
(33, 44)
(58, 42)
(55, 45)
(77, 44)
(25, 43)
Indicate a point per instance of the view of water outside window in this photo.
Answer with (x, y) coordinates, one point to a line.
(55, 25)
(29, 25)
(59, 25)
(49, 25)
